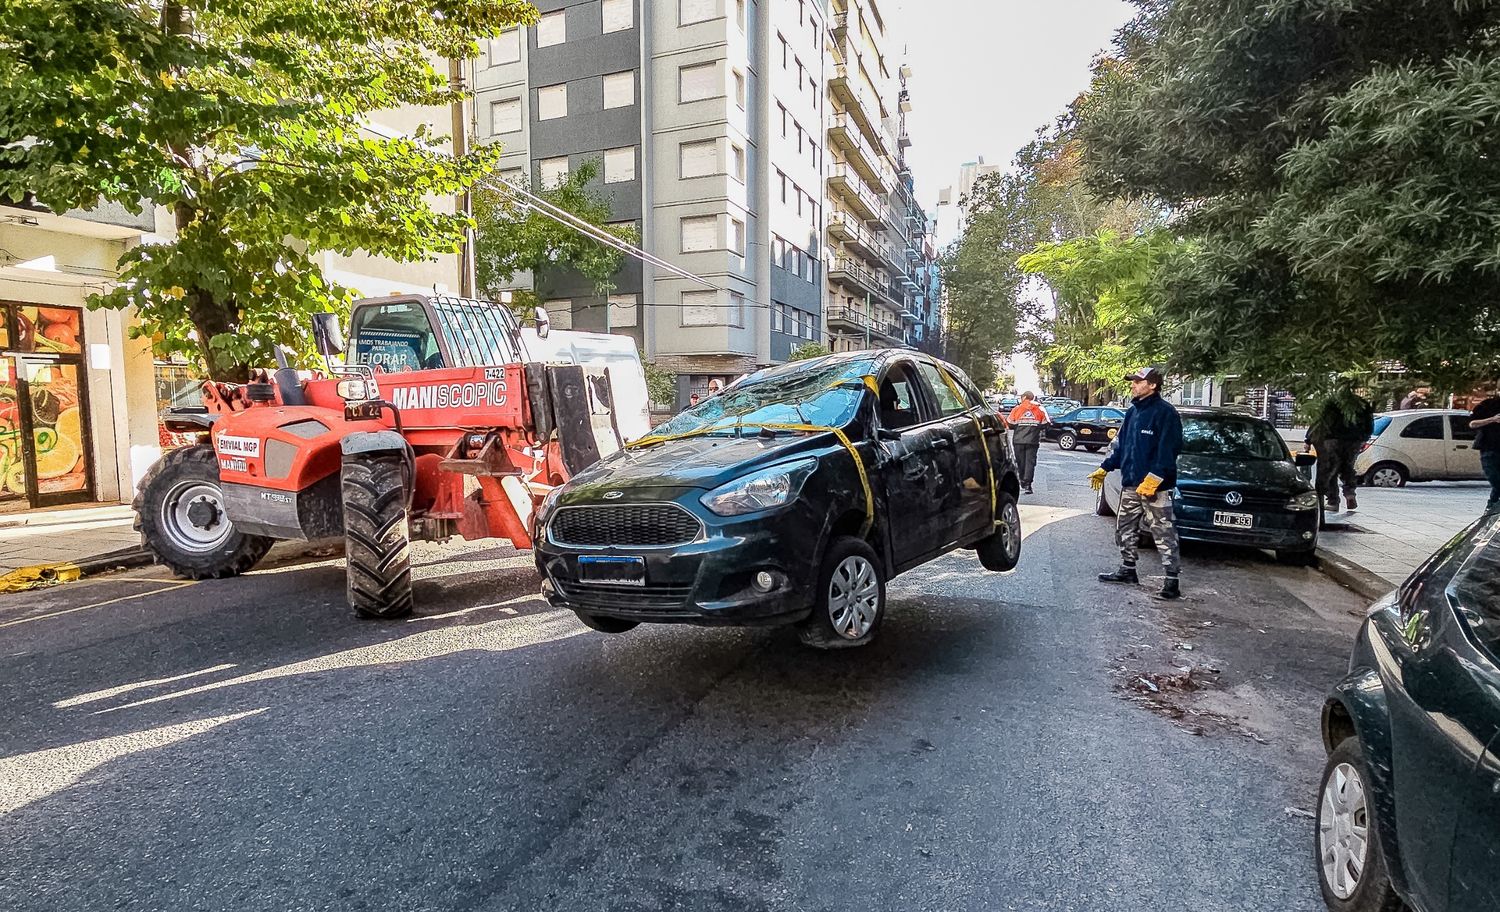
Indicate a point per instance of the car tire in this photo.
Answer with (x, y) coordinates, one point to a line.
(1387, 475)
(1067, 440)
(182, 520)
(377, 537)
(1345, 809)
(1001, 551)
(1297, 558)
(849, 603)
(1093, 447)
(605, 624)
(1101, 503)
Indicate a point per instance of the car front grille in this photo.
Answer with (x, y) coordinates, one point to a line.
(627, 525)
(657, 599)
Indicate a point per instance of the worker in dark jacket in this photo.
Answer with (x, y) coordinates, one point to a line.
(1145, 452)
(1342, 427)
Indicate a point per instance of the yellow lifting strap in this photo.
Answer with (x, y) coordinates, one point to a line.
(989, 464)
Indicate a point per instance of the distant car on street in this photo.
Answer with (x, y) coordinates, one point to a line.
(1092, 428)
(1057, 405)
(1419, 445)
(1237, 484)
(790, 498)
(1409, 806)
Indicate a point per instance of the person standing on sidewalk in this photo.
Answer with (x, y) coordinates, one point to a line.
(1486, 423)
(1145, 452)
(1026, 421)
(1344, 424)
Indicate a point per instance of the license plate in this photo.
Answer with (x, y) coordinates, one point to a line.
(618, 571)
(1234, 520)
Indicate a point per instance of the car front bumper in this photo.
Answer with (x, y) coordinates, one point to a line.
(1287, 530)
(709, 581)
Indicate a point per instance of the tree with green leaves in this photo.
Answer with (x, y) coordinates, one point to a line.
(1334, 166)
(513, 238)
(809, 350)
(251, 123)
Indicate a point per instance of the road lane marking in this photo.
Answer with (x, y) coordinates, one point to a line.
(169, 587)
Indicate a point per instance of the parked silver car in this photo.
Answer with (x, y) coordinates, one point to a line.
(1419, 445)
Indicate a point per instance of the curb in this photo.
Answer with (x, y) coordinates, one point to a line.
(40, 576)
(1352, 576)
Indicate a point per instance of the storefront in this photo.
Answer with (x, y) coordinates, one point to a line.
(46, 444)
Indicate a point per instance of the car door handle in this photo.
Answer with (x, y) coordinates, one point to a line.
(990, 431)
(942, 443)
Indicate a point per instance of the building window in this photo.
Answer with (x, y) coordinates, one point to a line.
(737, 157)
(691, 11)
(552, 102)
(700, 159)
(560, 313)
(506, 47)
(737, 308)
(505, 116)
(783, 119)
(783, 187)
(700, 82)
(782, 39)
(622, 311)
(739, 89)
(553, 29)
(737, 236)
(700, 233)
(619, 15)
(619, 89)
(619, 165)
(552, 171)
(701, 308)
(776, 318)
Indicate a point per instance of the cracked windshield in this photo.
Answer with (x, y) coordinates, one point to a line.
(750, 456)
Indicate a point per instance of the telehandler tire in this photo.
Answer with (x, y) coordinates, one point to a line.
(180, 514)
(377, 540)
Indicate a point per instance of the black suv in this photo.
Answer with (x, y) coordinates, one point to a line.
(789, 498)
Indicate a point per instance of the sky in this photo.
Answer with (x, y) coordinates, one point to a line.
(987, 73)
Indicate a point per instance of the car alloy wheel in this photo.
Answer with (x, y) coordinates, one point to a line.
(853, 597)
(1344, 830)
(1386, 476)
(1067, 441)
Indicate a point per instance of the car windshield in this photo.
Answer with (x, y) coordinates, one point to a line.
(1475, 590)
(1231, 437)
(825, 393)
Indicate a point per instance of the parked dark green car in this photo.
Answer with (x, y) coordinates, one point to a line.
(1409, 809)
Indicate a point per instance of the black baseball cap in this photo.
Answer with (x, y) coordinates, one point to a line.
(1148, 374)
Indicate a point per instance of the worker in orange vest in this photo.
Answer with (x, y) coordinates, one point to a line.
(1026, 421)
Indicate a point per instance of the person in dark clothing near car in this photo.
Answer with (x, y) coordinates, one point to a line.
(1026, 421)
(1346, 422)
(1486, 424)
(1145, 452)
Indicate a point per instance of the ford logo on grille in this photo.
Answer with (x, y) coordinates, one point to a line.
(1234, 498)
(614, 495)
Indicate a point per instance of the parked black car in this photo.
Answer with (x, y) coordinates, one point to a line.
(1238, 484)
(1409, 808)
(1091, 427)
(751, 509)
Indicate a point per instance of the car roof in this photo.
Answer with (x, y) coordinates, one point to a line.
(1214, 411)
(1414, 413)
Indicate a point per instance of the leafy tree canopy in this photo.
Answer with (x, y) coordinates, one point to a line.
(252, 123)
(1335, 166)
(514, 238)
(809, 350)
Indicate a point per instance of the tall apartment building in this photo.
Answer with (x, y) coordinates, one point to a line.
(880, 259)
(706, 118)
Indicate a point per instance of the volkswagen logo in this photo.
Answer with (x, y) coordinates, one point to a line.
(616, 495)
(1234, 498)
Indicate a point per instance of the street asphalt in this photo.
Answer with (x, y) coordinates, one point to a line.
(247, 744)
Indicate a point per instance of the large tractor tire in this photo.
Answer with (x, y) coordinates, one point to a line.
(377, 540)
(180, 513)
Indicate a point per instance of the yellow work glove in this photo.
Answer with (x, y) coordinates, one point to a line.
(1096, 479)
(1148, 487)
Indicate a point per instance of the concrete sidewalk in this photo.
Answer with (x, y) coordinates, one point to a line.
(71, 535)
(1396, 529)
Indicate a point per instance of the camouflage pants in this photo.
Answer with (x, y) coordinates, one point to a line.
(1156, 516)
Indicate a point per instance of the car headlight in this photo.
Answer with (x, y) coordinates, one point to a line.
(548, 503)
(763, 490)
(357, 390)
(1308, 501)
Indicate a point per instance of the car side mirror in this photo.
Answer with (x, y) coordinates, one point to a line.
(887, 434)
(543, 323)
(1305, 460)
(327, 334)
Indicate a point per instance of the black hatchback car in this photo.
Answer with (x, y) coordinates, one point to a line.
(1238, 484)
(1091, 427)
(790, 498)
(1409, 808)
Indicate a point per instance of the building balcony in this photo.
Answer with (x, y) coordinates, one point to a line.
(840, 25)
(857, 150)
(105, 220)
(865, 110)
(876, 326)
(855, 194)
(851, 272)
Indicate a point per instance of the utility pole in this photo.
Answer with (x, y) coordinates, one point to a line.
(868, 318)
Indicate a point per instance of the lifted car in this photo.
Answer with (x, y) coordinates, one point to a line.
(791, 498)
